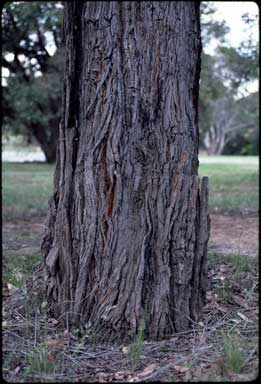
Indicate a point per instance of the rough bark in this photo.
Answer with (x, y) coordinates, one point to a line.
(126, 237)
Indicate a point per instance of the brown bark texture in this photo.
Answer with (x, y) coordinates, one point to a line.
(125, 245)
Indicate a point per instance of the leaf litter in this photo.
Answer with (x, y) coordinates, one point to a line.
(37, 347)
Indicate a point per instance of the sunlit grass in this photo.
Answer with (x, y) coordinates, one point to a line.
(233, 187)
(27, 187)
(25, 190)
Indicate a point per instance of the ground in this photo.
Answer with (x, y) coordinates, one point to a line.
(222, 346)
(236, 234)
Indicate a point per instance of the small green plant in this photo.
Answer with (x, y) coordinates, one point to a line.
(136, 348)
(241, 263)
(39, 362)
(18, 268)
(225, 292)
(214, 258)
(233, 356)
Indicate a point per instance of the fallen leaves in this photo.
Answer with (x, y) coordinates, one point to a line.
(243, 317)
(144, 374)
(57, 342)
(189, 356)
(51, 357)
(221, 308)
(239, 300)
(17, 369)
(147, 370)
(11, 288)
(125, 350)
(181, 368)
(53, 321)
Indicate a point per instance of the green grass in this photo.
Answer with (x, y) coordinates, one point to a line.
(27, 187)
(136, 348)
(233, 187)
(38, 363)
(233, 356)
(241, 263)
(25, 190)
(17, 268)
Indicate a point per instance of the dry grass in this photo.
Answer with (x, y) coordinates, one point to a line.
(221, 347)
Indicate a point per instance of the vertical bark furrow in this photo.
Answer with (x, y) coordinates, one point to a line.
(128, 226)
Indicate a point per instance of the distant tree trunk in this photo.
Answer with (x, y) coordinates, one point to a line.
(48, 144)
(215, 140)
(126, 237)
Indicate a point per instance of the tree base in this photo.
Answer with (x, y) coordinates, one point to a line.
(157, 283)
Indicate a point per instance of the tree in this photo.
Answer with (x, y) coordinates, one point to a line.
(243, 137)
(125, 245)
(32, 97)
(211, 28)
(228, 117)
(212, 90)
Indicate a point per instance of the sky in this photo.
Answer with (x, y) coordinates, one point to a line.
(231, 12)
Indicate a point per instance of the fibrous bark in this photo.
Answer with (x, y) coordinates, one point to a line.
(127, 230)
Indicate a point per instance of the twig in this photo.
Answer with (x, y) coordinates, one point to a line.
(14, 334)
(68, 333)
(155, 373)
(35, 329)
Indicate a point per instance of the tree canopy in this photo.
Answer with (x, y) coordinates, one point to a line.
(32, 97)
(32, 53)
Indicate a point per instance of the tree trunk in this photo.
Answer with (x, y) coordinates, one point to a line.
(126, 237)
(48, 145)
(215, 140)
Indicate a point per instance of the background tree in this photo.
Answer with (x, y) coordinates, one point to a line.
(32, 97)
(126, 237)
(223, 104)
(31, 105)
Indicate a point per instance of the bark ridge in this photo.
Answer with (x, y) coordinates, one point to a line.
(126, 237)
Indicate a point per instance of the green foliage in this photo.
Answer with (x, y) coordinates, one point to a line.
(36, 102)
(246, 142)
(32, 96)
(223, 78)
(24, 33)
(210, 28)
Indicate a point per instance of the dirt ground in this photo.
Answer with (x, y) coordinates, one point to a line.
(237, 234)
(234, 234)
(37, 348)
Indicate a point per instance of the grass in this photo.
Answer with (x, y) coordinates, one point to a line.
(25, 190)
(18, 268)
(136, 348)
(233, 187)
(233, 356)
(27, 187)
(240, 263)
(40, 362)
